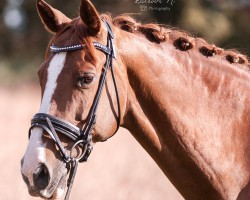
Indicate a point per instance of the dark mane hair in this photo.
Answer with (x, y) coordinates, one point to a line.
(83, 35)
(82, 32)
(180, 39)
(158, 34)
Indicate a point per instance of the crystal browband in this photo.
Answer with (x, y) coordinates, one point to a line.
(99, 46)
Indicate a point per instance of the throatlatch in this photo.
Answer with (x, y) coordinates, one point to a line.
(82, 138)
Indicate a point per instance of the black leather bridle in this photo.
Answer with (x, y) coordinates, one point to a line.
(82, 138)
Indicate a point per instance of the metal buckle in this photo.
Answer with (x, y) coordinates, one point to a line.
(86, 150)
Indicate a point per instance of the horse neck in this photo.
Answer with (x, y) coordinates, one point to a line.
(190, 115)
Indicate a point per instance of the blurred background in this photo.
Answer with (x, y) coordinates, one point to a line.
(129, 173)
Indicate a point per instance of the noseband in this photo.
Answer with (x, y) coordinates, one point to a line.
(82, 138)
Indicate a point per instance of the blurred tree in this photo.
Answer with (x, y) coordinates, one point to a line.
(221, 22)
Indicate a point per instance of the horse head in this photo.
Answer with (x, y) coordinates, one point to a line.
(80, 102)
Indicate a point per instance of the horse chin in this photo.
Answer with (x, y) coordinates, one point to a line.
(58, 194)
(57, 189)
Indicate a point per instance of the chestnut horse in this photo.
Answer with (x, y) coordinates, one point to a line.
(185, 101)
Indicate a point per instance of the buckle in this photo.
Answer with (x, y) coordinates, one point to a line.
(86, 151)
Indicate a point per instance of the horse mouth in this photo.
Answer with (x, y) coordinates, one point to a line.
(55, 191)
(57, 187)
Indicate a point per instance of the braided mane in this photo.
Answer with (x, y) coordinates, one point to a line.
(160, 34)
(181, 40)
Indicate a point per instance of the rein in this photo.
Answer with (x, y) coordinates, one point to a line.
(82, 138)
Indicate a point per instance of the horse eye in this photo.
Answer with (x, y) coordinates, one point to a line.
(85, 80)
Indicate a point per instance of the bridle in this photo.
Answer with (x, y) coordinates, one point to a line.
(82, 138)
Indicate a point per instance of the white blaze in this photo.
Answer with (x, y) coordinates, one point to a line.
(55, 67)
(35, 152)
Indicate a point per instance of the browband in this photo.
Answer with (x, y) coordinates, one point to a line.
(109, 50)
(99, 46)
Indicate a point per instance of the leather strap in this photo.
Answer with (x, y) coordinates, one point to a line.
(60, 125)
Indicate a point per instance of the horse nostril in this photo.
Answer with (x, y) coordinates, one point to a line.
(41, 177)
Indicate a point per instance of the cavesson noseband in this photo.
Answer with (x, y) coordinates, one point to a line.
(82, 137)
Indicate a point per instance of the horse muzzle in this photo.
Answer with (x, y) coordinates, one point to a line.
(44, 182)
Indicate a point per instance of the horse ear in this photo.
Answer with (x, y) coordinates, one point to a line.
(52, 18)
(90, 17)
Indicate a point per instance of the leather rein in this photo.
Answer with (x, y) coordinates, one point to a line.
(82, 138)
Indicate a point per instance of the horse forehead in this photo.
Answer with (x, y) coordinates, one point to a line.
(66, 37)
